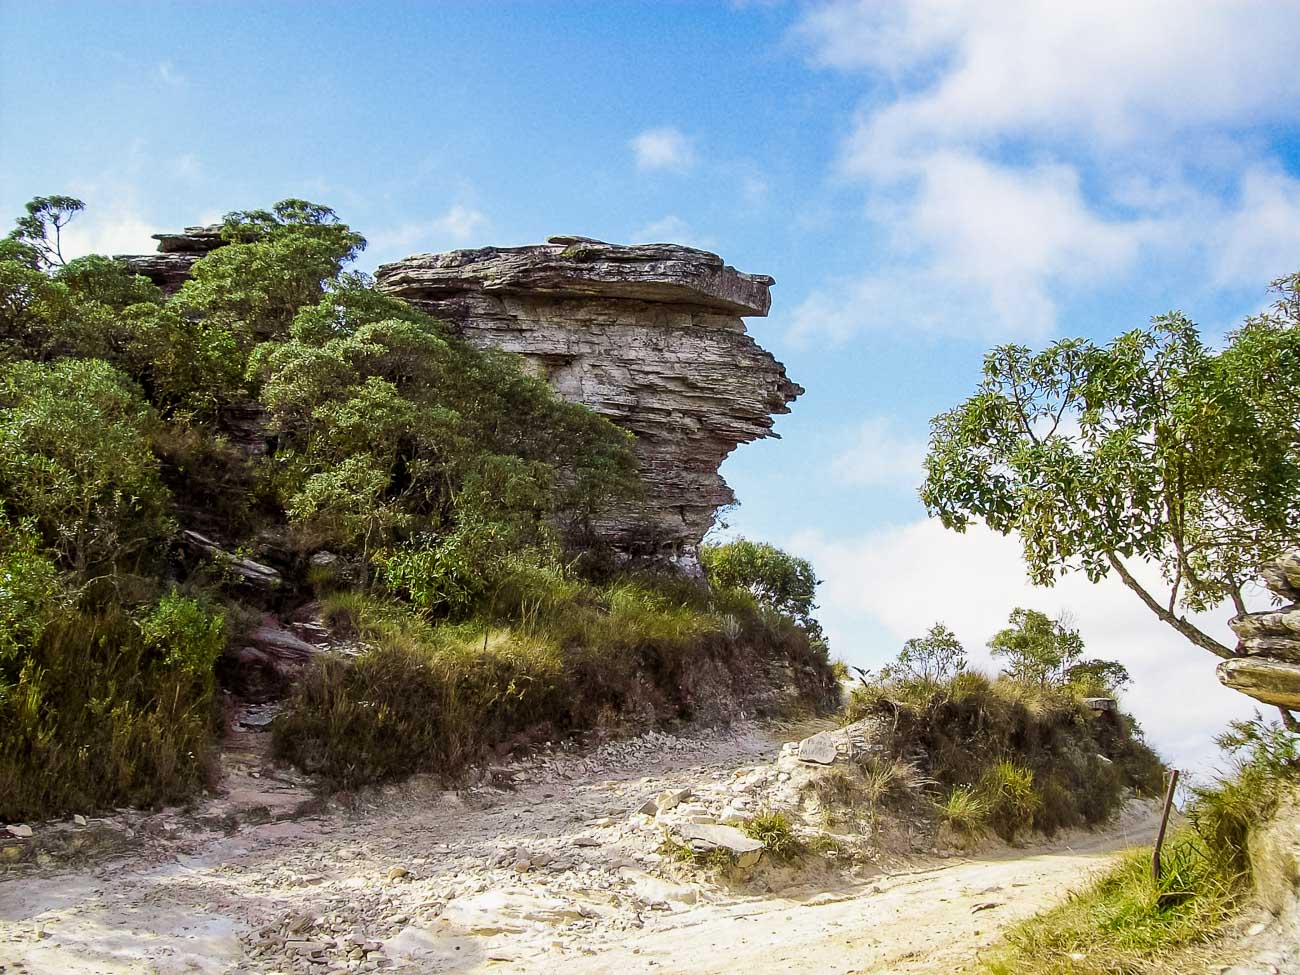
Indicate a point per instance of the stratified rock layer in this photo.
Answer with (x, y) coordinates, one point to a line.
(649, 335)
(1269, 666)
(176, 255)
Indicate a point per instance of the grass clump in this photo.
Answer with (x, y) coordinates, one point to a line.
(964, 811)
(108, 707)
(775, 831)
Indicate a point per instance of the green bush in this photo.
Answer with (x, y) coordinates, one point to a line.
(775, 831)
(106, 708)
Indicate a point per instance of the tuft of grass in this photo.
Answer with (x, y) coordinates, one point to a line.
(775, 831)
(1007, 791)
(716, 859)
(965, 811)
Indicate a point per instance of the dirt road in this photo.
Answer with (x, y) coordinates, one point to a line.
(545, 867)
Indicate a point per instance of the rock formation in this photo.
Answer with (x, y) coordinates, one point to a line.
(1269, 666)
(176, 255)
(649, 335)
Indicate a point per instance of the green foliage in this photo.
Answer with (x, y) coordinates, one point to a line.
(104, 708)
(29, 587)
(783, 581)
(1037, 649)
(75, 460)
(1149, 448)
(775, 831)
(1029, 756)
(42, 226)
(932, 659)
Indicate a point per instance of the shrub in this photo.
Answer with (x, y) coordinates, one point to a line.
(105, 708)
(551, 655)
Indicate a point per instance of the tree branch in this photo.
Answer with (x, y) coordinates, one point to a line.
(1179, 623)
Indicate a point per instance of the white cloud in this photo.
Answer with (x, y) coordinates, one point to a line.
(903, 579)
(167, 73)
(458, 225)
(1260, 240)
(880, 456)
(1105, 70)
(982, 124)
(107, 228)
(663, 148)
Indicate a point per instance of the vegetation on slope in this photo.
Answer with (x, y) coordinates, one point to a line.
(1017, 752)
(1126, 922)
(280, 405)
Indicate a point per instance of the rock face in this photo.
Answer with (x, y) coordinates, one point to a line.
(1269, 666)
(649, 335)
(176, 255)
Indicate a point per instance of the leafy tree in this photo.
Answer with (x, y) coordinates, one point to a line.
(1149, 449)
(931, 659)
(785, 582)
(76, 462)
(42, 227)
(1037, 649)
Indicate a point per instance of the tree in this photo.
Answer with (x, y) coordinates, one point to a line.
(932, 659)
(42, 227)
(1150, 449)
(785, 582)
(1038, 650)
(76, 463)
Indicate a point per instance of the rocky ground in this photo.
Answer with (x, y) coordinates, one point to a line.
(549, 864)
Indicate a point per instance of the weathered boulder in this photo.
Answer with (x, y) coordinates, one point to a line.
(649, 335)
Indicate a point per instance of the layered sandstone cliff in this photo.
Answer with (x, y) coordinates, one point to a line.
(1269, 666)
(650, 335)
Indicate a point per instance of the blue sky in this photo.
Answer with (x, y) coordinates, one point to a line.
(924, 179)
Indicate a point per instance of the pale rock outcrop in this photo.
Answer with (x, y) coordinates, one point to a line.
(1268, 668)
(649, 335)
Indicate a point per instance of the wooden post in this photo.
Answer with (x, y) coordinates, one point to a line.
(1164, 821)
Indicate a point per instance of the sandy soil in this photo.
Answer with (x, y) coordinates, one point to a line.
(543, 867)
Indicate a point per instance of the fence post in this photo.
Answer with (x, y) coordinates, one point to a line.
(1164, 821)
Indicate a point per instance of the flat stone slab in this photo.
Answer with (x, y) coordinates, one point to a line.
(582, 267)
(819, 749)
(1271, 681)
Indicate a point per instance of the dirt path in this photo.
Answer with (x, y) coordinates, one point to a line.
(544, 868)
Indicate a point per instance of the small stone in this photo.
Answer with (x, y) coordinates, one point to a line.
(79, 819)
(671, 798)
(397, 873)
(522, 866)
(20, 830)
